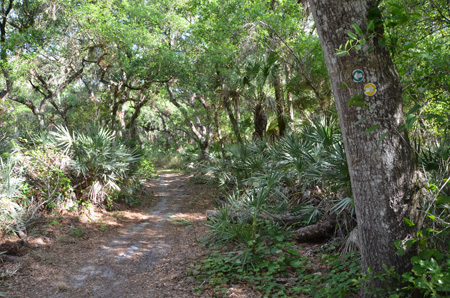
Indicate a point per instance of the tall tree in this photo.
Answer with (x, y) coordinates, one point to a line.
(380, 159)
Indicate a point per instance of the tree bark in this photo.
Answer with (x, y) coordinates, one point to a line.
(324, 229)
(234, 123)
(132, 128)
(379, 155)
(280, 105)
(260, 119)
(289, 97)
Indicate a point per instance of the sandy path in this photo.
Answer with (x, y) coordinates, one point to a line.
(146, 259)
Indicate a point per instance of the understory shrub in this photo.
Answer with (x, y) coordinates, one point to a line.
(66, 170)
(305, 174)
(48, 176)
(273, 265)
(100, 162)
(13, 204)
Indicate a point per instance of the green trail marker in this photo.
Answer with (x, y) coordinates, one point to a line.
(357, 75)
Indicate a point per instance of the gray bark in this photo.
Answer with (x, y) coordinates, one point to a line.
(289, 97)
(383, 176)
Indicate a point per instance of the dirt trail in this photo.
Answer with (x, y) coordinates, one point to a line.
(144, 259)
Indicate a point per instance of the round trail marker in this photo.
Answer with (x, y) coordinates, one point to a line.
(357, 75)
(370, 89)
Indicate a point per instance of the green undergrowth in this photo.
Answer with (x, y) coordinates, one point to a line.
(276, 267)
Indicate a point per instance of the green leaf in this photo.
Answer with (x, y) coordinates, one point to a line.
(363, 41)
(418, 270)
(360, 121)
(413, 109)
(443, 200)
(426, 253)
(297, 264)
(381, 138)
(372, 129)
(341, 53)
(432, 217)
(409, 243)
(357, 100)
(343, 85)
(397, 243)
(352, 35)
(371, 26)
(410, 119)
(358, 47)
(409, 222)
(357, 29)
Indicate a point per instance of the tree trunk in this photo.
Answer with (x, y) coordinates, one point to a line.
(219, 132)
(289, 97)
(379, 155)
(166, 133)
(280, 105)
(132, 128)
(320, 231)
(121, 117)
(260, 120)
(234, 123)
(237, 109)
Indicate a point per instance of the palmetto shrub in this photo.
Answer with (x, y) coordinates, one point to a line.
(47, 174)
(310, 161)
(97, 158)
(12, 210)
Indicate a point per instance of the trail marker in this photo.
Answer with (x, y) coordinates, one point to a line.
(357, 75)
(370, 89)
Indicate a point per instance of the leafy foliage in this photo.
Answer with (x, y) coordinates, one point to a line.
(276, 268)
(99, 160)
(12, 212)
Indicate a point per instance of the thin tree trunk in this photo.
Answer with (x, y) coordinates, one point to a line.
(290, 101)
(166, 133)
(219, 132)
(280, 105)
(237, 109)
(137, 111)
(379, 155)
(260, 119)
(121, 117)
(234, 123)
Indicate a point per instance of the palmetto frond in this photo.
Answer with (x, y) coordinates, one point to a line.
(96, 156)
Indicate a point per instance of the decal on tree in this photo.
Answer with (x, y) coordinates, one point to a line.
(370, 89)
(357, 75)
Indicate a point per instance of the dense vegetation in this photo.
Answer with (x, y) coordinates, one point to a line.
(93, 94)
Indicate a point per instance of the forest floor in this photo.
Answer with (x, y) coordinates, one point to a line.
(143, 252)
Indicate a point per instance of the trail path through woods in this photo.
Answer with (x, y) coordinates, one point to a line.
(145, 257)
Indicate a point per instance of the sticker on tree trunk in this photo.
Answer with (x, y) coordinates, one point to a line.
(370, 89)
(357, 75)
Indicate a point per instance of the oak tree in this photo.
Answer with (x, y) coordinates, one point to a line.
(369, 105)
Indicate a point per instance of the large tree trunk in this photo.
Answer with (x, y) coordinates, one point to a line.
(383, 176)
